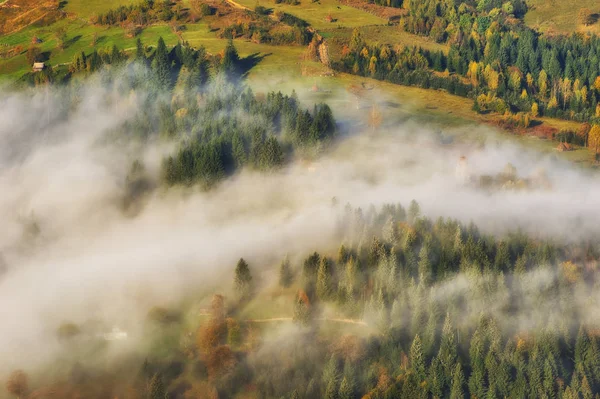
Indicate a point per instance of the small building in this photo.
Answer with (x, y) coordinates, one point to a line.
(562, 147)
(38, 66)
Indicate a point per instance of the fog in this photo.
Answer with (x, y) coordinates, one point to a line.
(72, 253)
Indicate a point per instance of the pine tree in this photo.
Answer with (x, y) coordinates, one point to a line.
(301, 309)
(477, 378)
(414, 211)
(582, 346)
(324, 283)
(243, 279)
(140, 54)
(285, 273)
(331, 391)
(346, 388)
(448, 353)
(238, 151)
(424, 264)
(417, 360)
(331, 376)
(436, 379)
(161, 65)
(502, 260)
(156, 389)
(230, 61)
(458, 383)
(199, 73)
(115, 55)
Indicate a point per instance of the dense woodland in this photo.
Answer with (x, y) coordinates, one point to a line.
(453, 313)
(493, 58)
(200, 102)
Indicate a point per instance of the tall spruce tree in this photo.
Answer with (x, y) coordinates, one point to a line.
(161, 65)
(243, 279)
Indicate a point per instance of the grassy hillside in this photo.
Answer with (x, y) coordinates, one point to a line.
(555, 16)
(283, 67)
(87, 8)
(391, 35)
(315, 13)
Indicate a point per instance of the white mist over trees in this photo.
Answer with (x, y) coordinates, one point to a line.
(74, 252)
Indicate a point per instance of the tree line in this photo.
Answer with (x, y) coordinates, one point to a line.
(493, 58)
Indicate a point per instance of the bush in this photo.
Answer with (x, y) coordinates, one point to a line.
(260, 10)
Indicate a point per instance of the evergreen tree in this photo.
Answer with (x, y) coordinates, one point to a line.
(346, 388)
(458, 383)
(302, 312)
(417, 360)
(230, 63)
(199, 73)
(424, 264)
(582, 346)
(285, 273)
(331, 390)
(161, 65)
(324, 283)
(140, 53)
(243, 279)
(156, 388)
(414, 211)
(238, 151)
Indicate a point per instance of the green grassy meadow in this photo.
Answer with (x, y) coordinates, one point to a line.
(555, 16)
(315, 13)
(87, 8)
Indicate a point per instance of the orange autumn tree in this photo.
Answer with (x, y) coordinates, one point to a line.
(211, 335)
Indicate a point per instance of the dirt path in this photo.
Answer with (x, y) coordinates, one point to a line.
(268, 320)
(237, 5)
(347, 321)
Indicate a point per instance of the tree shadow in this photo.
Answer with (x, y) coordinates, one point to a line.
(594, 18)
(249, 62)
(43, 57)
(100, 40)
(62, 4)
(535, 122)
(72, 40)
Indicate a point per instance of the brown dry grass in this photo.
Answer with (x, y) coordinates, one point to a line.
(18, 14)
(389, 13)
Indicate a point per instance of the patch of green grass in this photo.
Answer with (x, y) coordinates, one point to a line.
(315, 13)
(391, 35)
(87, 8)
(558, 16)
(79, 38)
(270, 60)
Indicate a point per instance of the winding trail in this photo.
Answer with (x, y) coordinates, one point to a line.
(272, 319)
(237, 5)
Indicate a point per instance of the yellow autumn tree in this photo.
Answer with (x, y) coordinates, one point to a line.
(535, 110)
(373, 65)
(493, 78)
(583, 93)
(529, 79)
(594, 138)
(473, 73)
(597, 83)
(543, 83)
(524, 94)
(570, 271)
